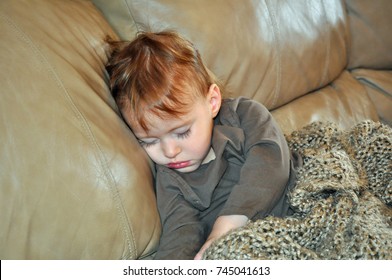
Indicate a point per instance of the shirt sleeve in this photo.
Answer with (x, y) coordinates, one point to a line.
(265, 173)
(182, 232)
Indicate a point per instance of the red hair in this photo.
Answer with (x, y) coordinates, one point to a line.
(159, 73)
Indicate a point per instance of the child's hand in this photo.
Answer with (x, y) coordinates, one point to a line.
(222, 225)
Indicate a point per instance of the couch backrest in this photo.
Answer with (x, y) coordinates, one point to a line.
(74, 182)
(370, 33)
(271, 51)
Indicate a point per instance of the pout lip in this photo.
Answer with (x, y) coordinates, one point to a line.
(178, 165)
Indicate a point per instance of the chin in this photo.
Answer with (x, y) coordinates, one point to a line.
(189, 168)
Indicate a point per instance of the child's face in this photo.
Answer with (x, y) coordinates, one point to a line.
(181, 143)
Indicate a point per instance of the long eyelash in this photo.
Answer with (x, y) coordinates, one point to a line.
(184, 134)
(145, 145)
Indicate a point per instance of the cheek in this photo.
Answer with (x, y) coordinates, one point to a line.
(201, 143)
(154, 154)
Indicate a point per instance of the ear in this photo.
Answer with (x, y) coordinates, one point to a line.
(215, 99)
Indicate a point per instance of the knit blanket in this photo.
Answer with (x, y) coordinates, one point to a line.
(342, 201)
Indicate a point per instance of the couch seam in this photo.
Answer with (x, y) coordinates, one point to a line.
(379, 89)
(276, 33)
(85, 126)
(347, 33)
(324, 76)
(132, 15)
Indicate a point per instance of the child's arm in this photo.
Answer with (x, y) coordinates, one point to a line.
(182, 232)
(266, 169)
(222, 226)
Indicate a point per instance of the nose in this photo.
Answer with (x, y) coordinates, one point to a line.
(170, 148)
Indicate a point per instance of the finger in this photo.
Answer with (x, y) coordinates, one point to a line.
(199, 255)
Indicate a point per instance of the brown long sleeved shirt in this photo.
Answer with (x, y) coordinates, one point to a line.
(251, 175)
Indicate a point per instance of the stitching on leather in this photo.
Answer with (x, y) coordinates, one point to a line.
(128, 230)
(276, 34)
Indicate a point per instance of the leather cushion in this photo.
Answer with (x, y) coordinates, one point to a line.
(74, 182)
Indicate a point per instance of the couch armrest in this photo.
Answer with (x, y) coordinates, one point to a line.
(74, 182)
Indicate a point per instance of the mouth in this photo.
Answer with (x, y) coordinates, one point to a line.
(179, 165)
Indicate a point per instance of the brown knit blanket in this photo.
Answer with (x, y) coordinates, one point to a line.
(342, 201)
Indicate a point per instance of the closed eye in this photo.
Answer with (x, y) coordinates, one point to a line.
(184, 135)
(147, 144)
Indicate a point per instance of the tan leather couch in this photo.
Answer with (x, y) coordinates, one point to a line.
(74, 182)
